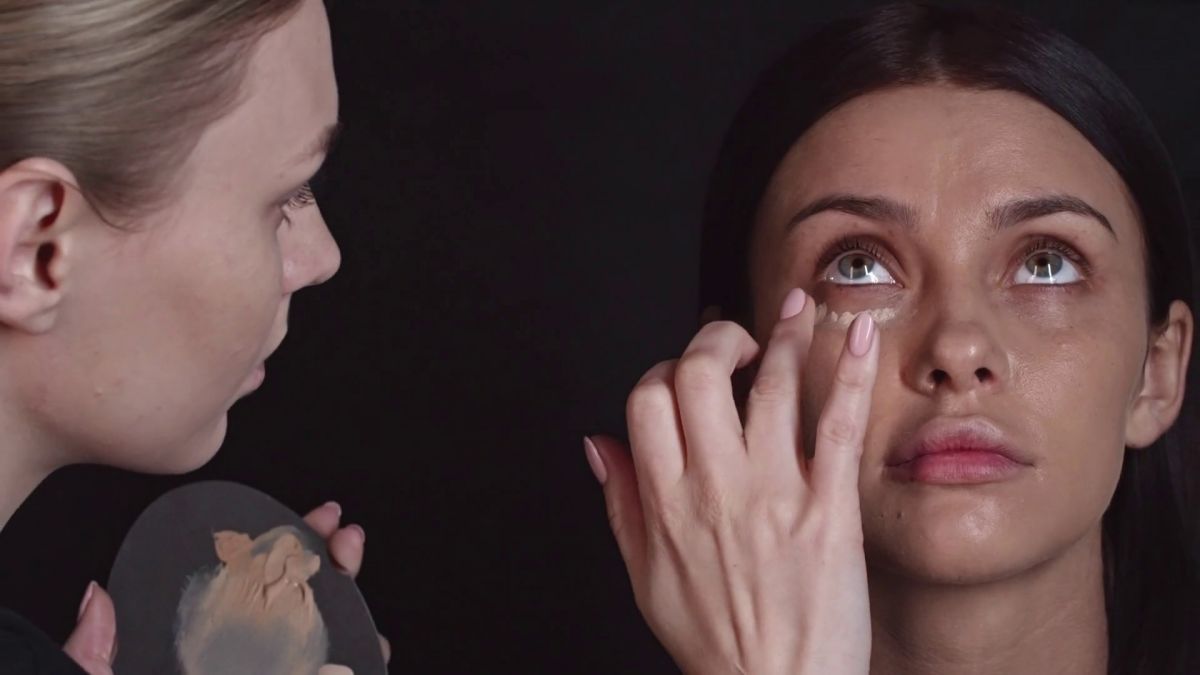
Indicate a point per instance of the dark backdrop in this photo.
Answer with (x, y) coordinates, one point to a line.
(517, 195)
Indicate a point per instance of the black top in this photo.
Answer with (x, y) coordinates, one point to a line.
(25, 650)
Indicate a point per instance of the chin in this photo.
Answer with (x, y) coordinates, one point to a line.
(201, 449)
(954, 564)
(950, 547)
(182, 455)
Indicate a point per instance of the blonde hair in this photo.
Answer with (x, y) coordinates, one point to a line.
(119, 91)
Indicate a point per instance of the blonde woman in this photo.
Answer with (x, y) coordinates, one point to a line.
(155, 221)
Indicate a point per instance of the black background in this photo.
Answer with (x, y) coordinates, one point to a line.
(516, 194)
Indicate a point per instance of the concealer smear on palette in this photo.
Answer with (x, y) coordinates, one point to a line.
(827, 317)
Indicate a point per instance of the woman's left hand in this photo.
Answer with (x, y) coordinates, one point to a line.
(346, 546)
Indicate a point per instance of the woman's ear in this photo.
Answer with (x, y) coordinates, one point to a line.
(1164, 379)
(40, 207)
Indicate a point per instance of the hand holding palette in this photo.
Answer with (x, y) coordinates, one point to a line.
(218, 579)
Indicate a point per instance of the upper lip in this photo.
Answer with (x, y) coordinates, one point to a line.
(948, 434)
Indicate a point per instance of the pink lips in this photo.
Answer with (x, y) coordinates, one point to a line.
(957, 451)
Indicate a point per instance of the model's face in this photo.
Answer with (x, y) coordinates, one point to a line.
(1029, 320)
(167, 323)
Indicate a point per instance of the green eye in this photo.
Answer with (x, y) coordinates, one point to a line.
(1047, 267)
(858, 268)
(1044, 265)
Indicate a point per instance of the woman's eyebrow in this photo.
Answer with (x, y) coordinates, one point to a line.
(1021, 210)
(882, 209)
(879, 209)
(321, 146)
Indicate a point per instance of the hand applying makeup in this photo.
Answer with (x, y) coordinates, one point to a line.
(93, 644)
(744, 555)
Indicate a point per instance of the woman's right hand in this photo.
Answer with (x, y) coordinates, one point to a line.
(746, 557)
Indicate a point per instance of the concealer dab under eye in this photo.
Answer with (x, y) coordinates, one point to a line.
(827, 317)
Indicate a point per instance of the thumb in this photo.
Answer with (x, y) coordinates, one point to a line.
(613, 466)
(94, 642)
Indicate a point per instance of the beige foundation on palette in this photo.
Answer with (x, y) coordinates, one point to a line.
(827, 317)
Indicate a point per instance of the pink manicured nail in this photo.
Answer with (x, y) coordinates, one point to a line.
(362, 534)
(593, 458)
(336, 507)
(87, 597)
(861, 334)
(793, 304)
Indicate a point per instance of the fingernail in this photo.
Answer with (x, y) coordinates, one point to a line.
(861, 334)
(593, 458)
(793, 304)
(87, 597)
(362, 534)
(336, 507)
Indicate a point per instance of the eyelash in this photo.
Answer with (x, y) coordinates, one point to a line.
(850, 244)
(301, 198)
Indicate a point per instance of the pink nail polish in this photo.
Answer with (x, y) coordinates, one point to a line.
(593, 458)
(861, 334)
(336, 507)
(87, 597)
(793, 304)
(362, 534)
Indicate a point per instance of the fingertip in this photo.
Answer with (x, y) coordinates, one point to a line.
(862, 334)
(324, 519)
(95, 634)
(386, 646)
(346, 549)
(793, 304)
(595, 461)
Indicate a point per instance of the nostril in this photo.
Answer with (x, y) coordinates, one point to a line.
(939, 377)
(983, 374)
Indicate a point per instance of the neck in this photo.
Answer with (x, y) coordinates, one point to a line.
(24, 464)
(1050, 619)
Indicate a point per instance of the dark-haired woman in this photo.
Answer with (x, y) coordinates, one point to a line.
(954, 259)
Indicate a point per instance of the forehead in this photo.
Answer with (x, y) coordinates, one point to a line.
(288, 97)
(941, 147)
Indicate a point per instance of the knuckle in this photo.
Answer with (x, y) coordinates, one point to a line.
(785, 330)
(649, 402)
(853, 379)
(711, 506)
(722, 328)
(668, 519)
(699, 371)
(770, 387)
(659, 372)
(837, 429)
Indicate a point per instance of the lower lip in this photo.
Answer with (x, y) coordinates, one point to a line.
(256, 377)
(958, 468)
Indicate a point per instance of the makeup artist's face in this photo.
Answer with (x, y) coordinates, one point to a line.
(167, 323)
(1009, 259)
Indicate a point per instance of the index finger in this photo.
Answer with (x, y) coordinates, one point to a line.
(843, 422)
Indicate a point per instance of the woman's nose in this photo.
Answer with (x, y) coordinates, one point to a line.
(310, 255)
(958, 354)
